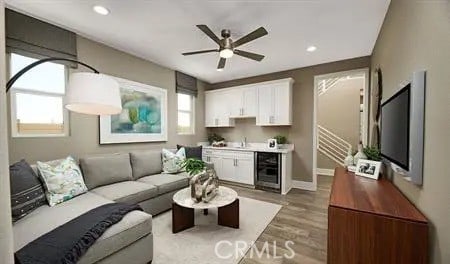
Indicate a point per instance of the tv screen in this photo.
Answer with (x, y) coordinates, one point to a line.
(395, 128)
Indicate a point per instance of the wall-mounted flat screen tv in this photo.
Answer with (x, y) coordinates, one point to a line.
(395, 124)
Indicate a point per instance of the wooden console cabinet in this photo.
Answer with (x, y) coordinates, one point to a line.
(371, 221)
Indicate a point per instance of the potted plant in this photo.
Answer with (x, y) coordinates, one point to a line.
(281, 140)
(193, 166)
(372, 153)
(216, 140)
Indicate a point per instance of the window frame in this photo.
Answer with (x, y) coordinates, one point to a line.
(13, 104)
(191, 113)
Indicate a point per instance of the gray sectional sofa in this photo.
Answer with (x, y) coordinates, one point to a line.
(134, 178)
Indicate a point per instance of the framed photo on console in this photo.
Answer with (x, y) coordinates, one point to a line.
(272, 143)
(143, 117)
(368, 168)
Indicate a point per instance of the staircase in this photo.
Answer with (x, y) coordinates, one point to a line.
(326, 84)
(331, 145)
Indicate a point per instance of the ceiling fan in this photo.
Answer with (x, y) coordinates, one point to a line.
(227, 47)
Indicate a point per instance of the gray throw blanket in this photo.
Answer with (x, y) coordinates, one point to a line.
(70, 241)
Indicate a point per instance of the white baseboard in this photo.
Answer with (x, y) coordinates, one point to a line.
(309, 186)
(287, 191)
(326, 172)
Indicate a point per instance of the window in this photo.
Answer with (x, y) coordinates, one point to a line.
(185, 114)
(37, 99)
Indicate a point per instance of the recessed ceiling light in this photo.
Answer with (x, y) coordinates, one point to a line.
(311, 48)
(100, 10)
(219, 69)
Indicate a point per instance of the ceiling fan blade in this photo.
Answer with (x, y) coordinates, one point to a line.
(251, 36)
(249, 55)
(221, 64)
(199, 52)
(209, 32)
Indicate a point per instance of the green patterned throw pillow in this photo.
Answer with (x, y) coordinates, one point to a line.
(173, 162)
(62, 180)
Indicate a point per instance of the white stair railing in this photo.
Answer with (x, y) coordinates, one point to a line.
(331, 145)
(326, 84)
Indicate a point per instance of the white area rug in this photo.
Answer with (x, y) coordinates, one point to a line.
(197, 245)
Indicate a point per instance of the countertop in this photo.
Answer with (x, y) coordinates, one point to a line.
(253, 147)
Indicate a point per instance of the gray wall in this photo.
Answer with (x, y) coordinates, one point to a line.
(416, 35)
(6, 244)
(301, 131)
(323, 162)
(84, 130)
(338, 111)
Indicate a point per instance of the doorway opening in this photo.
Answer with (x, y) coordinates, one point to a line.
(341, 116)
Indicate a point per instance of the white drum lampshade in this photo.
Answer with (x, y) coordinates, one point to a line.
(93, 94)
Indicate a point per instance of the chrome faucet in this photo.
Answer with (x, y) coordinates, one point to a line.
(244, 143)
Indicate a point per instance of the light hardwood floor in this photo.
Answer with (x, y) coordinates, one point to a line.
(302, 219)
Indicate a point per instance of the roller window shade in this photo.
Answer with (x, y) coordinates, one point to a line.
(186, 84)
(32, 37)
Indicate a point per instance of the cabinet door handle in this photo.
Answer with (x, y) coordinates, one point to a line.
(236, 162)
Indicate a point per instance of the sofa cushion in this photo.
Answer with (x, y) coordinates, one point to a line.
(192, 152)
(145, 163)
(27, 192)
(173, 162)
(131, 228)
(131, 192)
(101, 170)
(62, 180)
(166, 182)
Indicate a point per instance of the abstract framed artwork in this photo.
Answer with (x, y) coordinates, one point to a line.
(143, 117)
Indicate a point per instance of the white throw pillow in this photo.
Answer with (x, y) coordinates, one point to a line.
(173, 162)
(62, 180)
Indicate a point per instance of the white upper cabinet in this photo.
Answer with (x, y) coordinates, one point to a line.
(217, 109)
(210, 117)
(270, 102)
(244, 102)
(275, 103)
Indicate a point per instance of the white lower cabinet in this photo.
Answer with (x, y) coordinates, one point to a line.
(227, 172)
(233, 166)
(245, 170)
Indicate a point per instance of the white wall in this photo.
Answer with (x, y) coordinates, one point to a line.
(6, 251)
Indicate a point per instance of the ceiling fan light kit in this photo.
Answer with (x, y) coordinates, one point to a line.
(227, 47)
(226, 53)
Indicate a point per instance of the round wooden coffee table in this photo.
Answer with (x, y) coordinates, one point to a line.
(183, 207)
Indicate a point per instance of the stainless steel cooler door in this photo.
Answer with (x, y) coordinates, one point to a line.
(268, 169)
